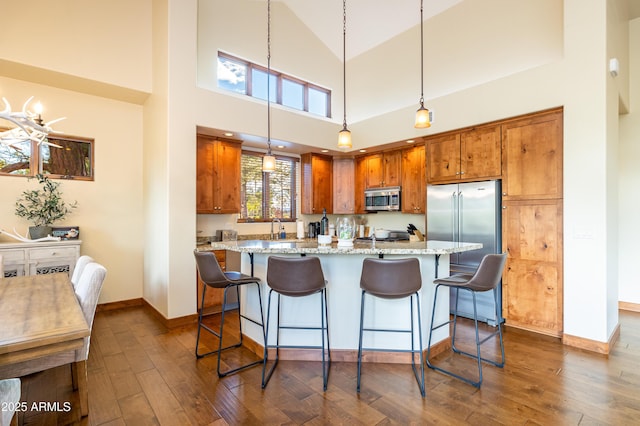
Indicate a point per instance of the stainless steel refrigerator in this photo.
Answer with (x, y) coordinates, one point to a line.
(468, 212)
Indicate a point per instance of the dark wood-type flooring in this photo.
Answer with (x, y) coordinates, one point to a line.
(141, 373)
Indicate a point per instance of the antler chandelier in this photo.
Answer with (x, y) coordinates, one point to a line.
(29, 125)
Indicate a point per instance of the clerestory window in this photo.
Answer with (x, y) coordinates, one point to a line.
(247, 78)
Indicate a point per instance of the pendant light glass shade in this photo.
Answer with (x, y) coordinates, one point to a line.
(268, 163)
(423, 120)
(344, 138)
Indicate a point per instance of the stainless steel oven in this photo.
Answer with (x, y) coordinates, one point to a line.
(382, 199)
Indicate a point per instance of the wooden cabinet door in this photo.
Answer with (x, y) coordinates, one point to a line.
(360, 183)
(480, 151)
(227, 176)
(317, 182)
(413, 180)
(375, 170)
(443, 158)
(532, 157)
(217, 176)
(392, 173)
(205, 165)
(344, 186)
(384, 169)
(532, 281)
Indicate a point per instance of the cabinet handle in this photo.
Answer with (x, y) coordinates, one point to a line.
(461, 173)
(504, 207)
(504, 194)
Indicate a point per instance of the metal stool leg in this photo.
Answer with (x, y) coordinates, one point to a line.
(419, 376)
(324, 319)
(220, 333)
(420, 379)
(266, 376)
(360, 340)
(324, 330)
(477, 356)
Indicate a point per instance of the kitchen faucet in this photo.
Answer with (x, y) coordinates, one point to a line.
(274, 236)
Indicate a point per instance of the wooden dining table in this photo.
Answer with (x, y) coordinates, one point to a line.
(41, 323)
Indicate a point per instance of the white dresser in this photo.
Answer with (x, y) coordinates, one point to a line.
(39, 258)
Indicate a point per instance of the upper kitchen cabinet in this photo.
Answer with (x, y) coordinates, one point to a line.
(343, 186)
(383, 169)
(217, 175)
(317, 183)
(413, 180)
(468, 155)
(532, 155)
(360, 183)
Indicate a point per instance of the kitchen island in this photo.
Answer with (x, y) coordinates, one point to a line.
(342, 267)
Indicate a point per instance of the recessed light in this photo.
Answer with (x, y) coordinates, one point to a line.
(325, 150)
(228, 134)
(410, 141)
(363, 150)
(280, 146)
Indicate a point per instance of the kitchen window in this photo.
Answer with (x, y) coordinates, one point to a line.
(247, 78)
(265, 196)
(72, 158)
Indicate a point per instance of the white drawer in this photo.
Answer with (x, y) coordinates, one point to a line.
(51, 253)
(13, 255)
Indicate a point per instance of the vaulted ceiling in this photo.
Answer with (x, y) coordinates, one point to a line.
(369, 22)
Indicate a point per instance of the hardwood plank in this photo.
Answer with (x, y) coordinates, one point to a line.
(166, 407)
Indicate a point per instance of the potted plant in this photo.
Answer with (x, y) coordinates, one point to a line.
(43, 207)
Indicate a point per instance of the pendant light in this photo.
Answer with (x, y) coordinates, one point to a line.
(423, 119)
(268, 161)
(344, 137)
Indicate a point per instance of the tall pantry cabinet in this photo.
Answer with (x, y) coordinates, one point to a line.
(532, 222)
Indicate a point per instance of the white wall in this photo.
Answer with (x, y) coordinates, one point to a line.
(106, 42)
(629, 178)
(109, 211)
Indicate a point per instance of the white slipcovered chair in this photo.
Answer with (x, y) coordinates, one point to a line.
(9, 398)
(80, 265)
(87, 292)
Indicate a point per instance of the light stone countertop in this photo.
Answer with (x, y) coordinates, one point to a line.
(311, 246)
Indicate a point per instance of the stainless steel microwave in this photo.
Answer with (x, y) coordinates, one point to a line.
(382, 199)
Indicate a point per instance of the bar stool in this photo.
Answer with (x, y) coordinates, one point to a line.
(486, 278)
(213, 276)
(393, 279)
(296, 277)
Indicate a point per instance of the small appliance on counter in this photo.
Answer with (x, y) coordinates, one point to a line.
(226, 235)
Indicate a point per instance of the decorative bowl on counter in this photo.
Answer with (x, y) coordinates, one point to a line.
(346, 231)
(324, 239)
(381, 233)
